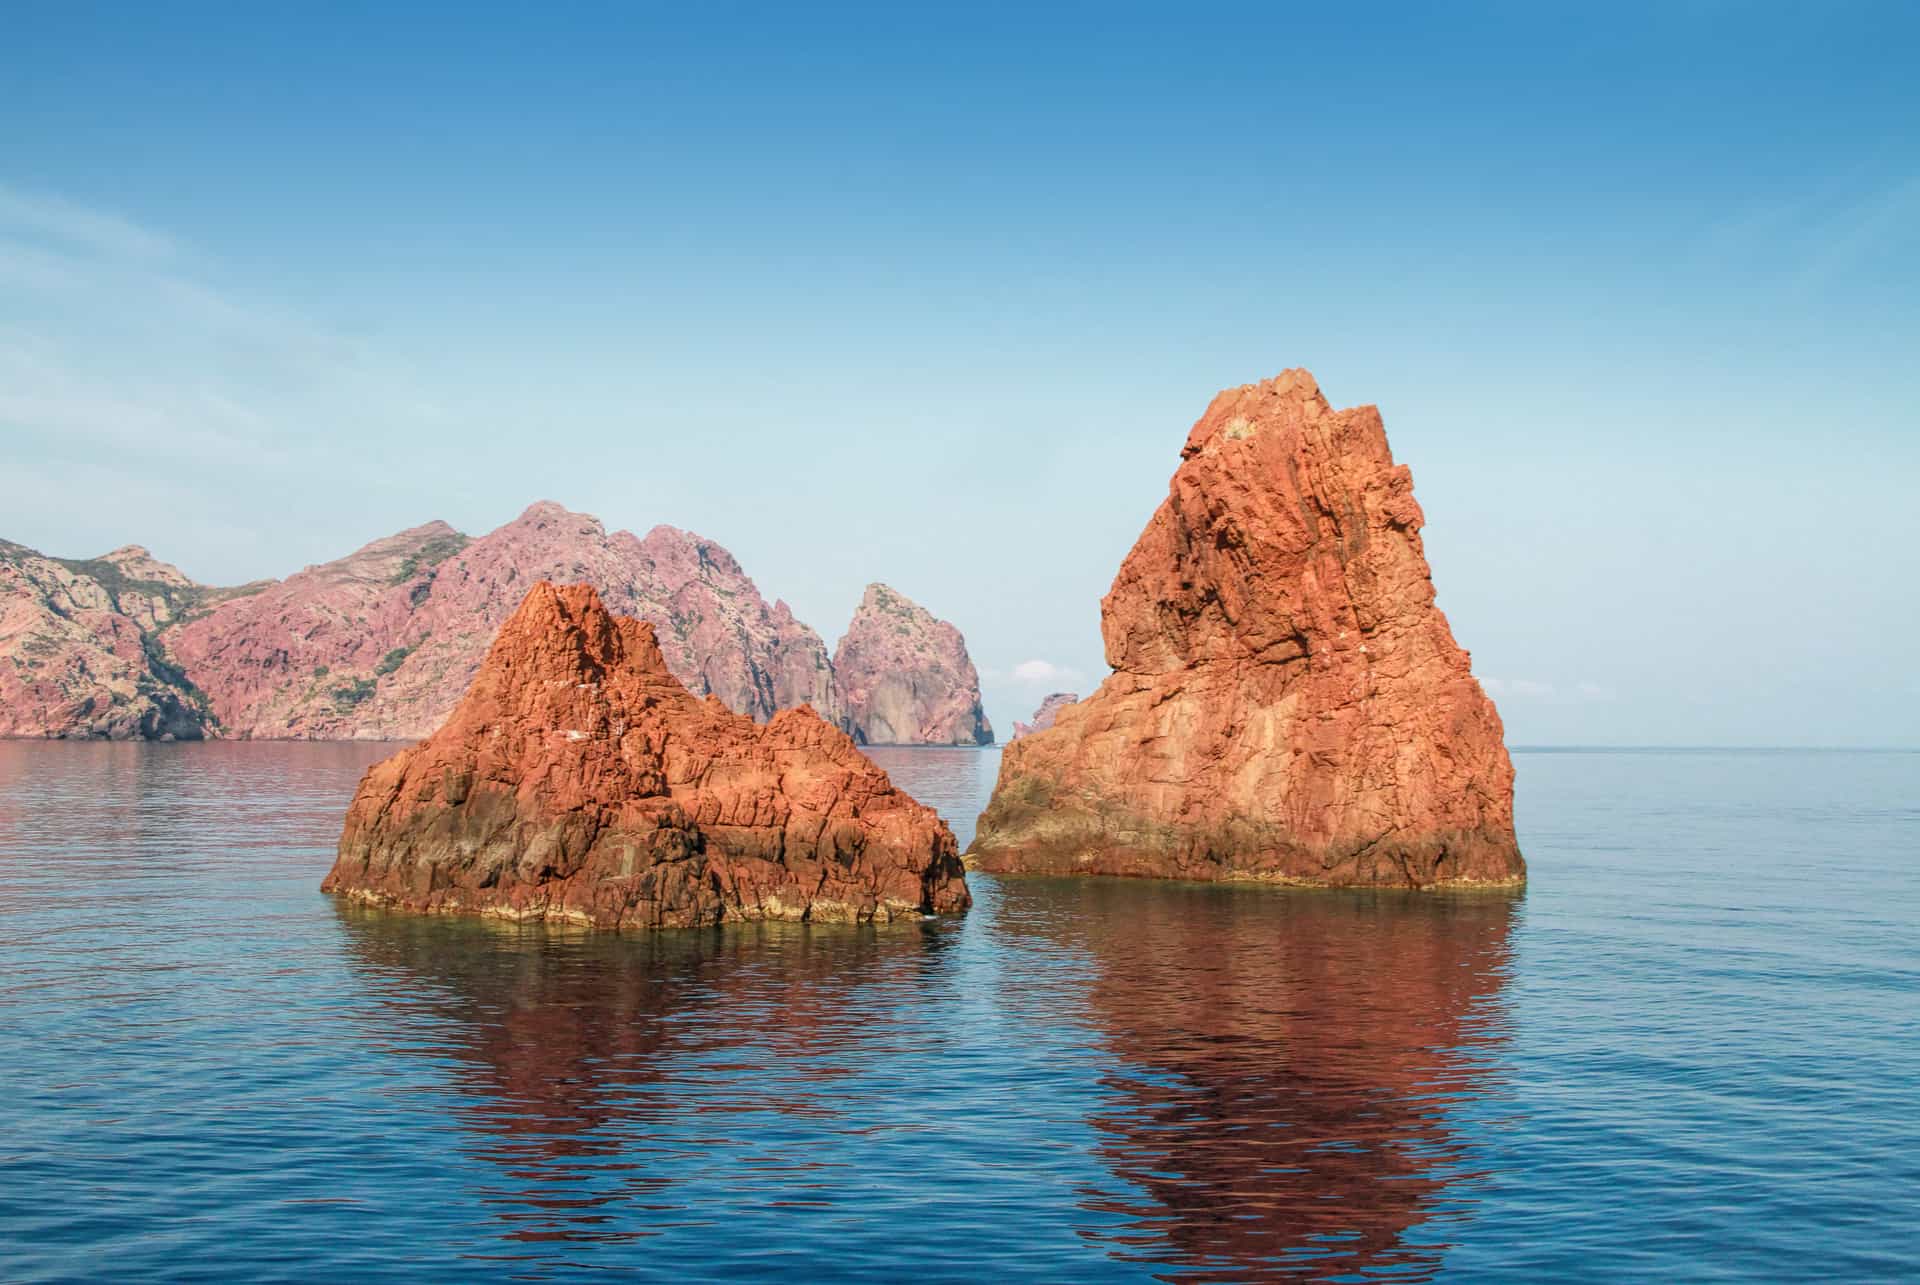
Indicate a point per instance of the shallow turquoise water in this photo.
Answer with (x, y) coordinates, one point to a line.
(1691, 1050)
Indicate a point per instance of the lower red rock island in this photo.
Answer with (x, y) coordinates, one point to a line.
(578, 780)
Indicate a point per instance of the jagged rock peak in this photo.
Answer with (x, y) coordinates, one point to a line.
(1044, 716)
(380, 644)
(1287, 703)
(136, 562)
(905, 676)
(554, 511)
(578, 780)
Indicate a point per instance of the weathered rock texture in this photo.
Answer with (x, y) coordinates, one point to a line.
(1287, 704)
(380, 644)
(579, 780)
(1043, 717)
(79, 646)
(906, 678)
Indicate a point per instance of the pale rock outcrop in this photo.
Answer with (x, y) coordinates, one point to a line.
(1043, 717)
(906, 677)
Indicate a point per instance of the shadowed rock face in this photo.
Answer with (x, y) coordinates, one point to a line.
(906, 677)
(1043, 717)
(578, 780)
(1287, 703)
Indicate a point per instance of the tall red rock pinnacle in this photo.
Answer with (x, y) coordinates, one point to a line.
(1287, 703)
(578, 780)
(906, 677)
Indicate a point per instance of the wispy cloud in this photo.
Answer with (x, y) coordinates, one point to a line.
(140, 373)
(1523, 687)
(1810, 238)
(1852, 236)
(117, 335)
(1533, 689)
(61, 221)
(1044, 671)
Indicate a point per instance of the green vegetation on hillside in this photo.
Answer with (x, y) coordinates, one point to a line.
(430, 554)
(172, 676)
(345, 697)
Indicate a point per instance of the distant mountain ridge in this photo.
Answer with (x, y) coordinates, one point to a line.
(379, 644)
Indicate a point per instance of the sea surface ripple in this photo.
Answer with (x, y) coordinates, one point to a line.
(1690, 1050)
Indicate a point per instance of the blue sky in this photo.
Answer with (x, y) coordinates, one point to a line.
(933, 296)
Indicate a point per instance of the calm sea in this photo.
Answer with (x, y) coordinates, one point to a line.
(1691, 1050)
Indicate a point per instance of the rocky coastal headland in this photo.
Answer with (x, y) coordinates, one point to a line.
(578, 780)
(1287, 703)
(380, 644)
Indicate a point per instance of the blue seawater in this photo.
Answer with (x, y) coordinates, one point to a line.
(1690, 1050)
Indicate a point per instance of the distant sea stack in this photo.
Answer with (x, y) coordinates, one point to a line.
(1287, 703)
(906, 677)
(578, 780)
(1043, 717)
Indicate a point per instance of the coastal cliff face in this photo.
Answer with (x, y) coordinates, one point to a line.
(380, 644)
(79, 647)
(906, 677)
(1043, 717)
(1287, 703)
(579, 780)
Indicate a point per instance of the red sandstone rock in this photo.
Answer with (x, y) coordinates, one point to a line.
(380, 644)
(578, 780)
(906, 677)
(1288, 704)
(1043, 717)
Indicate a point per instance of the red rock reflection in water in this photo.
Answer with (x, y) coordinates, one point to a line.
(579, 1057)
(1288, 1060)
